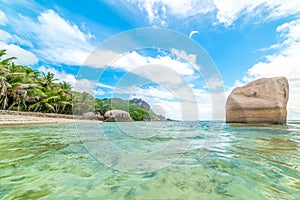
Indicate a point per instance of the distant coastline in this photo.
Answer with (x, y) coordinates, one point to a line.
(13, 118)
(30, 93)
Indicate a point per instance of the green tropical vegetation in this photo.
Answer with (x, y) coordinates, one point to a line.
(136, 112)
(25, 89)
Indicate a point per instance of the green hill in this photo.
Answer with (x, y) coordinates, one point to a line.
(25, 89)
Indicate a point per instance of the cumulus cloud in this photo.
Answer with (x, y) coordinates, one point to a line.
(284, 62)
(191, 58)
(24, 57)
(161, 100)
(159, 69)
(214, 83)
(179, 103)
(79, 85)
(56, 39)
(175, 97)
(61, 40)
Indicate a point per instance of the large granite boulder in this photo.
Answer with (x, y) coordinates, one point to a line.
(260, 101)
(117, 116)
(93, 116)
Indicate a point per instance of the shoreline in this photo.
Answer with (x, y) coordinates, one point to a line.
(16, 118)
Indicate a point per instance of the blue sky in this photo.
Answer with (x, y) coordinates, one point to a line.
(245, 39)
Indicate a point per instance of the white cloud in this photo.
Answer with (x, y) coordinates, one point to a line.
(174, 96)
(227, 11)
(155, 92)
(24, 57)
(161, 101)
(3, 18)
(62, 41)
(12, 38)
(214, 83)
(85, 85)
(191, 58)
(161, 69)
(230, 10)
(285, 62)
(104, 86)
(160, 74)
(101, 58)
(182, 103)
(130, 61)
(98, 92)
(169, 105)
(4, 36)
(61, 30)
(56, 39)
(79, 85)
(61, 76)
(157, 10)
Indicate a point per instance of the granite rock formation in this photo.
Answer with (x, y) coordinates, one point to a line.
(117, 116)
(93, 116)
(141, 103)
(260, 101)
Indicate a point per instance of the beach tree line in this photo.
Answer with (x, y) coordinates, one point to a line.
(25, 89)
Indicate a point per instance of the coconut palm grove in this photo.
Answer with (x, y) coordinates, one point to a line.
(25, 89)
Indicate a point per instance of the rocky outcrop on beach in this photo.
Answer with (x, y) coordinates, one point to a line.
(260, 101)
(93, 116)
(155, 118)
(117, 116)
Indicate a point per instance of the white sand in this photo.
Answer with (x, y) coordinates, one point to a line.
(20, 119)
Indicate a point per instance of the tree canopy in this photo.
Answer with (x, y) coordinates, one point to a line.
(25, 89)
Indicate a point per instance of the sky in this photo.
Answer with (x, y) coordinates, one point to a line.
(244, 40)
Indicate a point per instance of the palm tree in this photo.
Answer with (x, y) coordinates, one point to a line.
(7, 60)
(64, 103)
(5, 88)
(65, 89)
(44, 105)
(19, 97)
(35, 94)
(31, 75)
(24, 88)
(48, 79)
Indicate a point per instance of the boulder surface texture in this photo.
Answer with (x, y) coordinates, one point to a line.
(117, 116)
(260, 101)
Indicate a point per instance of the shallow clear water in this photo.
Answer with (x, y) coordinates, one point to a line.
(240, 162)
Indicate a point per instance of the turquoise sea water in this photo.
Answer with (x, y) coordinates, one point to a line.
(238, 162)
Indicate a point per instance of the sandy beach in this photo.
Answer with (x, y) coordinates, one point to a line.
(7, 120)
(13, 118)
